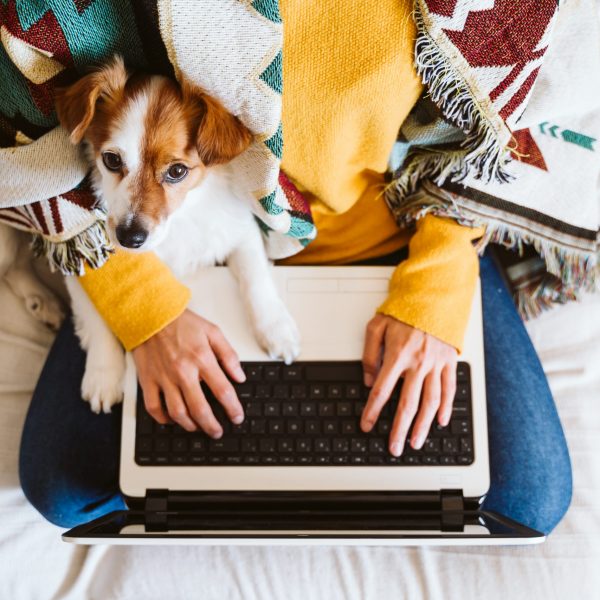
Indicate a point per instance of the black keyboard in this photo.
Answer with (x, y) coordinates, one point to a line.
(305, 414)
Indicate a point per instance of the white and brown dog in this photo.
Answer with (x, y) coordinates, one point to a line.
(160, 154)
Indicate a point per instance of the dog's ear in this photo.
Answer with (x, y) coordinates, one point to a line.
(221, 135)
(76, 104)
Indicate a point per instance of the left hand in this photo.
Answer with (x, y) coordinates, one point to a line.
(392, 350)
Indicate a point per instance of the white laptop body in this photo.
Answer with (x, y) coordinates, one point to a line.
(332, 306)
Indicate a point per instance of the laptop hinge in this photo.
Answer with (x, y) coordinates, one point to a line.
(453, 510)
(156, 505)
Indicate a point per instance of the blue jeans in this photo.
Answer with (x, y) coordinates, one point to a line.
(70, 456)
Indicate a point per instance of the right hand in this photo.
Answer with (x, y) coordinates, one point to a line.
(175, 360)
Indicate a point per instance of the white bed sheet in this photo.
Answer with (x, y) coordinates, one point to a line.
(35, 564)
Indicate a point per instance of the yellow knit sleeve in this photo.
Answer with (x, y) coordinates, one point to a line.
(136, 294)
(433, 289)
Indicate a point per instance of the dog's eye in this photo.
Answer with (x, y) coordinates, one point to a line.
(176, 173)
(112, 161)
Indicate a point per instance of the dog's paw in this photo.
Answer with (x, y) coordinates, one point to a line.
(279, 336)
(102, 387)
(46, 308)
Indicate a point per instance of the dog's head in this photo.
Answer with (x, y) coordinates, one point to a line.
(152, 141)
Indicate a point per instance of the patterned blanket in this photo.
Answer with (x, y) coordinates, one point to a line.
(479, 60)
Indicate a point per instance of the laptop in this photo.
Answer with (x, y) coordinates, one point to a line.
(299, 470)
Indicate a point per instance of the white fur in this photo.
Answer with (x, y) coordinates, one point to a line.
(213, 225)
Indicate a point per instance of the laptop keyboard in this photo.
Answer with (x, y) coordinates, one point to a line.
(305, 414)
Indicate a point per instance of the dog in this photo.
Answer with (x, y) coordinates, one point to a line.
(161, 154)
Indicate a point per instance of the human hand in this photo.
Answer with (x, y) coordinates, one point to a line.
(175, 360)
(392, 350)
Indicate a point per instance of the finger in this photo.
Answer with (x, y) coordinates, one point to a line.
(448, 382)
(407, 408)
(211, 373)
(176, 407)
(372, 351)
(385, 382)
(198, 407)
(226, 355)
(430, 402)
(152, 401)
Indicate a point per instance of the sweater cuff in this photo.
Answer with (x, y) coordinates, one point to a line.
(137, 295)
(433, 289)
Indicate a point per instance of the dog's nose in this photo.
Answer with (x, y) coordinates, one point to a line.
(131, 235)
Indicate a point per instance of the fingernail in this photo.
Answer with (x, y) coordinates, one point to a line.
(217, 434)
(238, 419)
(367, 426)
(240, 374)
(368, 379)
(395, 449)
(417, 442)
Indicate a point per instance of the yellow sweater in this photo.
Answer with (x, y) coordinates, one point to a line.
(349, 84)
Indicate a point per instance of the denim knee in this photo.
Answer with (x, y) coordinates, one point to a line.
(538, 499)
(63, 502)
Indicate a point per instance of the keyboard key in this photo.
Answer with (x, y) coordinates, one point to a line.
(344, 409)
(253, 408)
(299, 391)
(340, 460)
(305, 460)
(322, 445)
(358, 445)
(430, 460)
(334, 392)
(317, 391)
(266, 445)
(449, 445)
(272, 372)
(287, 460)
(272, 409)
(304, 445)
(462, 372)
(353, 391)
(224, 445)
(198, 459)
(281, 390)
(197, 445)
(326, 409)
(466, 447)
(464, 460)
(349, 426)
(383, 426)
(145, 423)
(358, 460)
(253, 373)
(284, 445)
(289, 409)
(448, 460)
(331, 426)
(294, 426)
(249, 445)
(179, 445)
(308, 409)
(312, 427)
(245, 391)
(292, 373)
(377, 445)
(144, 459)
(258, 425)
(460, 426)
(463, 392)
(269, 460)
(144, 444)
(322, 460)
(161, 444)
(412, 460)
(376, 460)
(431, 445)
(459, 410)
(262, 390)
(276, 426)
(341, 445)
(359, 407)
(251, 460)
